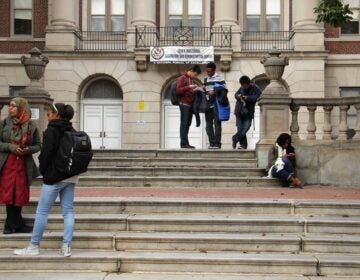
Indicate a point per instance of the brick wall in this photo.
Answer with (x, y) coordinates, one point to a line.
(40, 17)
(40, 20)
(212, 14)
(5, 18)
(343, 47)
(157, 13)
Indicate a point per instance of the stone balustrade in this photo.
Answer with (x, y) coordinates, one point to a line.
(328, 104)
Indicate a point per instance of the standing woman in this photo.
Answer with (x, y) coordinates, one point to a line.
(19, 139)
(55, 183)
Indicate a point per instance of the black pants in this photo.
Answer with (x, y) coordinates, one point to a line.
(14, 219)
(186, 113)
(213, 128)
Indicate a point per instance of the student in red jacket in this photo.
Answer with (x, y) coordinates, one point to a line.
(185, 88)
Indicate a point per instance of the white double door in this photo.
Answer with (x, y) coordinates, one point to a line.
(103, 124)
(197, 135)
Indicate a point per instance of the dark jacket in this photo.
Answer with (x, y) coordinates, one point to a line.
(6, 147)
(252, 95)
(51, 142)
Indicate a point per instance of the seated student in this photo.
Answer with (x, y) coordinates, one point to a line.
(282, 161)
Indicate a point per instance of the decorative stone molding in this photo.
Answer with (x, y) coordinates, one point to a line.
(141, 59)
(35, 68)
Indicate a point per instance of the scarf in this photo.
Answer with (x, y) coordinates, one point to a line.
(20, 133)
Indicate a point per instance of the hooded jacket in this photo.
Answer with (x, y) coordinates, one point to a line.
(51, 142)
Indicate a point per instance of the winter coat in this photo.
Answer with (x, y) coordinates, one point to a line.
(7, 147)
(51, 142)
(252, 95)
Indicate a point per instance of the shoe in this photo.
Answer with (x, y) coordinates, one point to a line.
(31, 250)
(241, 148)
(213, 147)
(8, 231)
(65, 250)
(24, 229)
(234, 145)
(295, 182)
(187, 147)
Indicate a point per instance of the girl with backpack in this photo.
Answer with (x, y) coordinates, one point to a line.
(55, 183)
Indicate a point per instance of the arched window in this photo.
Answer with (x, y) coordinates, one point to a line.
(103, 89)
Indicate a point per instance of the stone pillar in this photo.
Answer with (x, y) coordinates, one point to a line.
(144, 12)
(309, 36)
(274, 106)
(60, 34)
(143, 18)
(38, 98)
(225, 14)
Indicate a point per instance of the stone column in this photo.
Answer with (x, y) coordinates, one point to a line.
(309, 36)
(143, 19)
(225, 14)
(274, 106)
(60, 34)
(144, 12)
(38, 98)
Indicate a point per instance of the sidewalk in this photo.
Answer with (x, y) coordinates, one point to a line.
(308, 192)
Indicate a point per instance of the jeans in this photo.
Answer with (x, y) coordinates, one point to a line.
(186, 113)
(243, 125)
(213, 128)
(47, 198)
(285, 173)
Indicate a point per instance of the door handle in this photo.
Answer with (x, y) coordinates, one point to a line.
(100, 134)
(104, 134)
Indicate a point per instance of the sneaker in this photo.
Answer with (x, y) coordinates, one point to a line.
(31, 250)
(234, 145)
(213, 147)
(65, 250)
(241, 148)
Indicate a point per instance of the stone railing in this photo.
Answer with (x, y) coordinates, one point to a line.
(328, 104)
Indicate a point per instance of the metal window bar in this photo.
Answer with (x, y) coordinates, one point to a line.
(147, 36)
(266, 40)
(101, 40)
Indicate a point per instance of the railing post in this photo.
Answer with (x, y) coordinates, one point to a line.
(343, 128)
(357, 129)
(294, 127)
(311, 127)
(327, 123)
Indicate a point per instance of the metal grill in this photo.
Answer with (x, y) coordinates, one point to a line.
(266, 40)
(101, 40)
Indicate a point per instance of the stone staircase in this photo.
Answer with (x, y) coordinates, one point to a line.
(198, 238)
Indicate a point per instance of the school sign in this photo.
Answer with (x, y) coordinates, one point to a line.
(181, 55)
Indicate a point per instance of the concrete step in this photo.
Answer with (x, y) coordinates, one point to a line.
(174, 171)
(197, 242)
(174, 162)
(120, 205)
(207, 223)
(178, 153)
(157, 276)
(185, 262)
(175, 181)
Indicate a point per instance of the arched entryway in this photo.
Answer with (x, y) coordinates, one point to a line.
(101, 107)
(171, 124)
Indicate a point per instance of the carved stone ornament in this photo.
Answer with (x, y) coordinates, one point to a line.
(274, 64)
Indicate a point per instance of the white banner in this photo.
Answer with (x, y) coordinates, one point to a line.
(181, 55)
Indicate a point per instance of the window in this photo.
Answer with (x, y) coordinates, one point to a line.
(107, 15)
(14, 90)
(263, 15)
(103, 89)
(185, 13)
(23, 17)
(353, 26)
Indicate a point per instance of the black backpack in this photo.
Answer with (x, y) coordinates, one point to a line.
(174, 97)
(74, 153)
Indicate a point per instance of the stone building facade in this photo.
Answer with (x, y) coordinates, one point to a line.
(99, 58)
